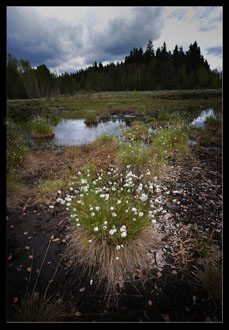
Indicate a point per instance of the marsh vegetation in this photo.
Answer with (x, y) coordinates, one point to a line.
(134, 206)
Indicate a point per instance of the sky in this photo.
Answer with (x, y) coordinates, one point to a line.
(67, 39)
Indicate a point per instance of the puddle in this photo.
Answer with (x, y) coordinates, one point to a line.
(76, 132)
(200, 120)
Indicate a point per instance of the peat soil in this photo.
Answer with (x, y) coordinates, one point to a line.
(37, 238)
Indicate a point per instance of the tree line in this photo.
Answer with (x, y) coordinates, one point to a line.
(149, 70)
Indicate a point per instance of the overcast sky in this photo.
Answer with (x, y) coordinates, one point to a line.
(71, 38)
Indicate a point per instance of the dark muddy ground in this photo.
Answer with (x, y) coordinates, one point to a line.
(171, 294)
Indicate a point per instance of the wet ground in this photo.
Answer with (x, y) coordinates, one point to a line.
(37, 239)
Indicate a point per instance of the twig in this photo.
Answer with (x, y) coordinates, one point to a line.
(42, 265)
(52, 277)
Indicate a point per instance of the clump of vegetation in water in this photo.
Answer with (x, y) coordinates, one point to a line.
(91, 118)
(41, 129)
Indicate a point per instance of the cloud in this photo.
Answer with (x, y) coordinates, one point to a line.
(208, 18)
(60, 43)
(40, 39)
(215, 51)
(179, 14)
(121, 34)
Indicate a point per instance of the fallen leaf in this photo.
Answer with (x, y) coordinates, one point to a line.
(37, 271)
(82, 289)
(15, 299)
(10, 257)
(29, 269)
(26, 232)
(31, 257)
(150, 302)
(55, 239)
(27, 247)
(18, 269)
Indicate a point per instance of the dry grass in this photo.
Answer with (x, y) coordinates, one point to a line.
(98, 259)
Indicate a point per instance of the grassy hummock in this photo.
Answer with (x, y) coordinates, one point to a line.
(112, 215)
(91, 118)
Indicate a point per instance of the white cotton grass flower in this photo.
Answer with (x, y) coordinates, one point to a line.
(123, 234)
(143, 197)
(111, 208)
(140, 214)
(51, 206)
(92, 214)
(97, 208)
(91, 282)
(59, 191)
(123, 228)
(111, 232)
(96, 228)
(153, 221)
(114, 214)
(118, 247)
(118, 202)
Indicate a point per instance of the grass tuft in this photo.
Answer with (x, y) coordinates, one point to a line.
(111, 216)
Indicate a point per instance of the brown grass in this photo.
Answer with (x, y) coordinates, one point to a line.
(98, 258)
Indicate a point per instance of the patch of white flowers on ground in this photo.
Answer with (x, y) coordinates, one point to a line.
(113, 206)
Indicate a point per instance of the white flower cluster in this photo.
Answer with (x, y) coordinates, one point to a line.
(142, 203)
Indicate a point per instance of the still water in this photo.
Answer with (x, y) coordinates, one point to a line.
(76, 132)
(200, 120)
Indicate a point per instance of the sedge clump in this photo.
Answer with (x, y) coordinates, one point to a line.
(112, 217)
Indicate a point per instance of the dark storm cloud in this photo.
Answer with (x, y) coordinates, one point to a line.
(124, 33)
(38, 39)
(54, 42)
(215, 51)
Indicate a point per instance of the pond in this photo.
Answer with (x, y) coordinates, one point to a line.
(200, 120)
(76, 132)
(69, 132)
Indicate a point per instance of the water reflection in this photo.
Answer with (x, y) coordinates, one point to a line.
(200, 120)
(76, 132)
